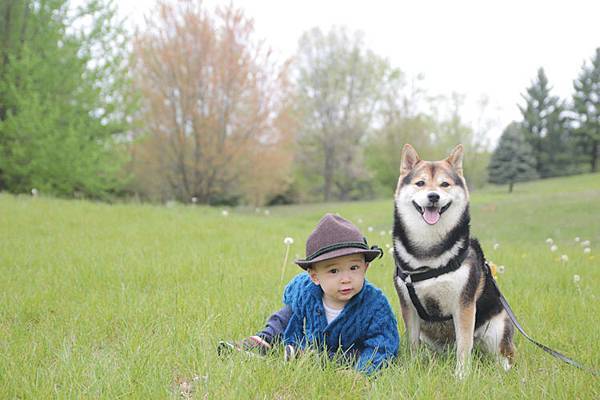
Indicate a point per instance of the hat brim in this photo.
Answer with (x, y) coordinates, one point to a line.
(370, 255)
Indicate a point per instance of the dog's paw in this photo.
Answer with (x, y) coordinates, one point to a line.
(461, 372)
(505, 363)
(414, 349)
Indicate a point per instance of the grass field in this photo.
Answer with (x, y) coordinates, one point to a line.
(129, 300)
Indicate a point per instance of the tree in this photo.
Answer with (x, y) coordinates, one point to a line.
(340, 85)
(383, 152)
(64, 97)
(215, 110)
(429, 130)
(586, 105)
(451, 130)
(401, 121)
(545, 128)
(513, 159)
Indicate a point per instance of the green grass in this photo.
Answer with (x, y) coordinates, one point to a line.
(129, 301)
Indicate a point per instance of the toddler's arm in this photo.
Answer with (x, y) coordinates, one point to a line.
(382, 341)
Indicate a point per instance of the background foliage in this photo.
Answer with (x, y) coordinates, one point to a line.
(64, 98)
(194, 108)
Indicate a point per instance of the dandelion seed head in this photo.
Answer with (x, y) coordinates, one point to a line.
(194, 199)
(549, 241)
(382, 233)
(501, 269)
(577, 239)
(224, 213)
(267, 212)
(553, 247)
(370, 229)
(496, 246)
(288, 241)
(564, 258)
(576, 278)
(34, 192)
(587, 250)
(388, 245)
(186, 389)
(585, 243)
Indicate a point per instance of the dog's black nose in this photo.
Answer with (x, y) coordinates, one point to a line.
(433, 197)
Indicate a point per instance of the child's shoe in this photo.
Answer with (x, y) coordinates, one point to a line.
(253, 345)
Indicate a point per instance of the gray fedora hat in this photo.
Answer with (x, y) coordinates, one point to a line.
(335, 237)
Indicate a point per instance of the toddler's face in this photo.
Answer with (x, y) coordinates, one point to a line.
(341, 278)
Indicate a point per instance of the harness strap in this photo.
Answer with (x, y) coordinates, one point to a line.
(420, 309)
(516, 323)
(429, 273)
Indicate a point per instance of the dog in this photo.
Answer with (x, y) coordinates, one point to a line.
(446, 289)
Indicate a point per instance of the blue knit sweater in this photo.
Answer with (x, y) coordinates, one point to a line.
(365, 328)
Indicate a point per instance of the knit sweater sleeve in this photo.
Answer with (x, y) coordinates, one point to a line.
(294, 296)
(295, 291)
(381, 342)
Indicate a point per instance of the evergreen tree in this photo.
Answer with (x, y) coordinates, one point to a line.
(64, 97)
(586, 105)
(546, 130)
(513, 159)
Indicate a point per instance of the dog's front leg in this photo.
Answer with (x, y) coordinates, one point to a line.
(464, 325)
(412, 325)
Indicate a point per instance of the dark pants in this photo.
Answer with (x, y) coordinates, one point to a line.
(276, 324)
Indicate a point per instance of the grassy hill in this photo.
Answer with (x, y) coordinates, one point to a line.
(129, 300)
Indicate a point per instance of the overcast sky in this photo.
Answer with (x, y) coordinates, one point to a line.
(477, 48)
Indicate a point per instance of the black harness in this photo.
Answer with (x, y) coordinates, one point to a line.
(415, 276)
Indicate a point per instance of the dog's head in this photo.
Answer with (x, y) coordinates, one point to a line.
(431, 192)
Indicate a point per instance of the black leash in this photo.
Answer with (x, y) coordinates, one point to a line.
(516, 323)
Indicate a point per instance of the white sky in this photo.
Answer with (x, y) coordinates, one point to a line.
(475, 48)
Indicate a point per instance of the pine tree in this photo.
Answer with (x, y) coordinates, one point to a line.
(545, 128)
(586, 105)
(513, 159)
(64, 97)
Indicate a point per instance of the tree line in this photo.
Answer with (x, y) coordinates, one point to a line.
(194, 107)
(555, 137)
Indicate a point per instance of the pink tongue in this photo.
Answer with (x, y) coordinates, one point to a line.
(431, 215)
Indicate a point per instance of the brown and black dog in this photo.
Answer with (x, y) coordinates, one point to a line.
(446, 291)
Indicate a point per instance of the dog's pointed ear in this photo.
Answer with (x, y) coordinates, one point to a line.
(409, 159)
(456, 159)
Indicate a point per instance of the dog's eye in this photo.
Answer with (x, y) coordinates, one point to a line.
(420, 183)
(445, 184)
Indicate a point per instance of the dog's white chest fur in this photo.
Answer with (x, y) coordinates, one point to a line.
(445, 289)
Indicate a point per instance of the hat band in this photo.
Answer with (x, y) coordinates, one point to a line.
(336, 246)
